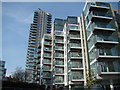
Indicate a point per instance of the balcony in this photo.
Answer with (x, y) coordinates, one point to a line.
(46, 68)
(60, 34)
(106, 27)
(58, 55)
(99, 6)
(47, 75)
(107, 69)
(59, 79)
(47, 43)
(73, 28)
(60, 48)
(75, 46)
(76, 65)
(48, 37)
(103, 16)
(107, 54)
(59, 71)
(47, 55)
(77, 76)
(47, 49)
(74, 36)
(59, 63)
(75, 55)
(101, 40)
(46, 61)
(61, 41)
(48, 82)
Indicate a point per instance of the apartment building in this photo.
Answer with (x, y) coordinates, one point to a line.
(58, 50)
(102, 43)
(63, 55)
(2, 70)
(41, 25)
(74, 61)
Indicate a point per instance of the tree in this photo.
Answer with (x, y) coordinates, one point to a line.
(90, 79)
(20, 74)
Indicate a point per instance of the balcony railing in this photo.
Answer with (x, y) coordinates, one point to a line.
(59, 55)
(105, 38)
(76, 65)
(107, 68)
(59, 33)
(75, 55)
(76, 76)
(59, 62)
(59, 81)
(59, 71)
(47, 43)
(59, 47)
(107, 52)
(47, 55)
(103, 14)
(46, 68)
(73, 27)
(47, 49)
(59, 41)
(74, 36)
(103, 25)
(100, 4)
(47, 75)
(46, 61)
(75, 45)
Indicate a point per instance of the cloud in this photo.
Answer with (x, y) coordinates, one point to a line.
(28, 19)
(20, 18)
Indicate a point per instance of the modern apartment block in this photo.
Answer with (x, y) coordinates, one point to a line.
(63, 55)
(2, 70)
(41, 25)
(103, 43)
(46, 60)
(74, 61)
(58, 50)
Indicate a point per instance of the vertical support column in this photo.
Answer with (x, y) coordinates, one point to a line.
(111, 85)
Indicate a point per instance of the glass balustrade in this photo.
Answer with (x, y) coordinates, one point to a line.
(105, 14)
(59, 55)
(46, 61)
(59, 79)
(75, 54)
(58, 33)
(59, 70)
(106, 38)
(47, 55)
(48, 43)
(59, 62)
(75, 45)
(76, 64)
(59, 47)
(100, 4)
(104, 25)
(47, 48)
(59, 40)
(46, 68)
(76, 75)
(73, 27)
(109, 66)
(74, 36)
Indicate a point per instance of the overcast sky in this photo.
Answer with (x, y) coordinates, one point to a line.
(16, 20)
